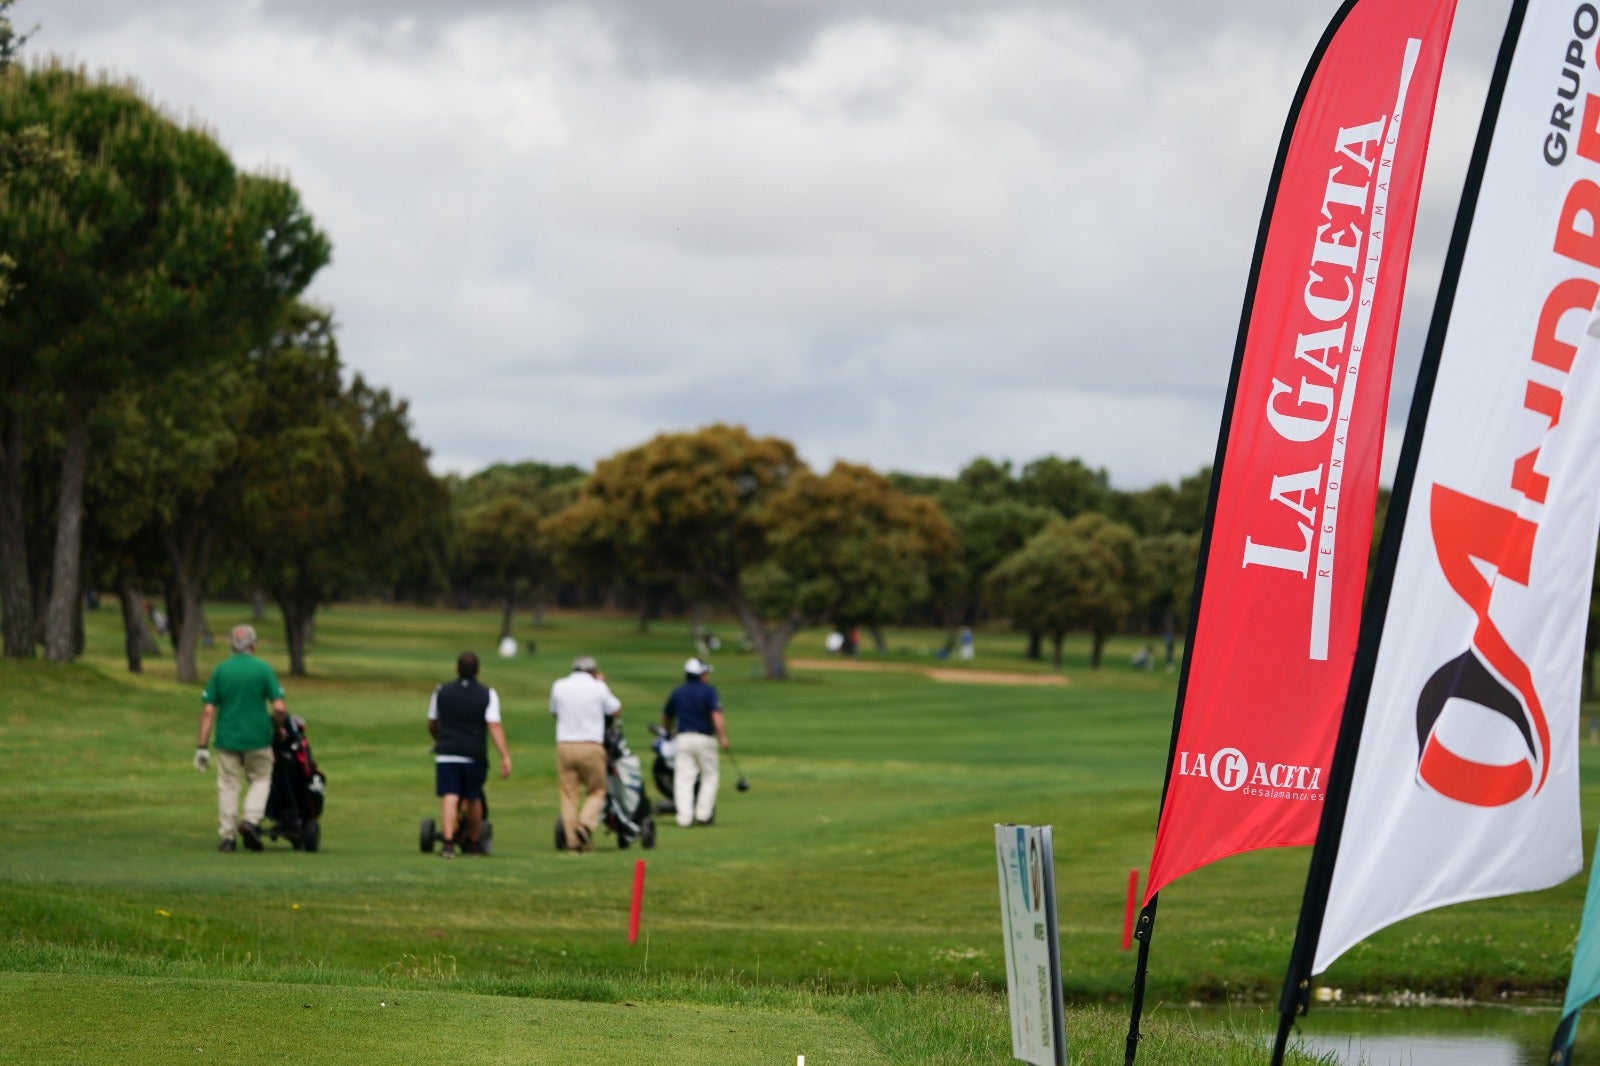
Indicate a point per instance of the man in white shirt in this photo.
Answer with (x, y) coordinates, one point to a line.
(582, 702)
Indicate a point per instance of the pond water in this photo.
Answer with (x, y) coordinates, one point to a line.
(1443, 1035)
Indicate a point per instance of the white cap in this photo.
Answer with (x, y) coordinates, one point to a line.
(695, 666)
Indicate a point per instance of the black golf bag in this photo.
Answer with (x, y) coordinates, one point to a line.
(294, 806)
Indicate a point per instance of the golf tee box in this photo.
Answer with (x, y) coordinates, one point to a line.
(1026, 859)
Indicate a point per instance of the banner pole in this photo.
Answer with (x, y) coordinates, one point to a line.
(1147, 916)
(1296, 997)
(1146, 926)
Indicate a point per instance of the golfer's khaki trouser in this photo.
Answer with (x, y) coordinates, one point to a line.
(581, 766)
(697, 757)
(234, 770)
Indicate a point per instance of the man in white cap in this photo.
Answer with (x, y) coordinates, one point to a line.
(582, 702)
(238, 698)
(696, 709)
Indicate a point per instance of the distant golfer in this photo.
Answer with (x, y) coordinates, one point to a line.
(582, 703)
(462, 716)
(696, 709)
(237, 698)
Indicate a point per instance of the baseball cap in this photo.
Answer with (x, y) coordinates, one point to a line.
(585, 663)
(695, 666)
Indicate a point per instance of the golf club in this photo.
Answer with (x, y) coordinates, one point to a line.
(744, 782)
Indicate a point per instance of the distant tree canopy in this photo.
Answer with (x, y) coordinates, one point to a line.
(503, 543)
(1075, 574)
(850, 549)
(687, 508)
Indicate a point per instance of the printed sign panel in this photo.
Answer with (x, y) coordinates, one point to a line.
(1033, 947)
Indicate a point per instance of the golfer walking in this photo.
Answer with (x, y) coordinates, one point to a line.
(696, 709)
(463, 716)
(582, 704)
(245, 702)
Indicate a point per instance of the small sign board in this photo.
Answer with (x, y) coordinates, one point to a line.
(1033, 947)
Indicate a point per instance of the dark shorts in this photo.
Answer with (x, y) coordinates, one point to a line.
(464, 779)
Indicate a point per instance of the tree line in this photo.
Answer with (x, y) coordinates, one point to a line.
(719, 516)
(176, 421)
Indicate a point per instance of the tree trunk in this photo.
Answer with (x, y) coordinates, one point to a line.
(64, 571)
(1056, 640)
(650, 609)
(771, 643)
(188, 551)
(774, 651)
(258, 606)
(1096, 647)
(132, 626)
(296, 625)
(508, 611)
(16, 589)
(879, 644)
(538, 612)
(1035, 644)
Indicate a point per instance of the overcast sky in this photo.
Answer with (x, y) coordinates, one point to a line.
(900, 232)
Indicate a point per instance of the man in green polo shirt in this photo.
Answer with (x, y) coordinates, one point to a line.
(237, 698)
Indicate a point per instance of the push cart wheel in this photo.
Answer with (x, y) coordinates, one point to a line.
(561, 835)
(311, 836)
(647, 833)
(427, 837)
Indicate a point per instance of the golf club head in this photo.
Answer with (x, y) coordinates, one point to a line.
(743, 785)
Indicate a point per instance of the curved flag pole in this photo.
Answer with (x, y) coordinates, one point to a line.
(1144, 931)
(1295, 999)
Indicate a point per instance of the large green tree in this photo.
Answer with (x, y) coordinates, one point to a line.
(989, 533)
(502, 545)
(848, 548)
(159, 491)
(1065, 486)
(333, 489)
(1169, 561)
(150, 255)
(1073, 575)
(688, 508)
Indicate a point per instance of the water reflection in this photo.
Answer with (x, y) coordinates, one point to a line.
(1444, 1036)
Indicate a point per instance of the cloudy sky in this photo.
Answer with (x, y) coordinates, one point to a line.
(900, 232)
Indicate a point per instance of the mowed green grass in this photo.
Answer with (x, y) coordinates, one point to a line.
(849, 895)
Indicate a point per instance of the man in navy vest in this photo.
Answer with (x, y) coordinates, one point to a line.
(462, 716)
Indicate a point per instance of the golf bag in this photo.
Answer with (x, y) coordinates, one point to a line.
(627, 812)
(294, 806)
(663, 769)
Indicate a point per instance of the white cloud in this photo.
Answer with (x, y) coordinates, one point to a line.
(902, 233)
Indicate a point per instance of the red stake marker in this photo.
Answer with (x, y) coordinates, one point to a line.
(1127, 918)
(638, 902)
